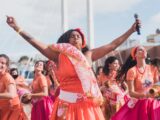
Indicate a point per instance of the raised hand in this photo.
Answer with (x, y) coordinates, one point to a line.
(134, 26)
(12, 23)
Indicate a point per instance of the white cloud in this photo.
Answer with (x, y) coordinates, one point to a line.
(152, 24)
(38, 17)
(106, 6)
(42, 18)
(156, 18)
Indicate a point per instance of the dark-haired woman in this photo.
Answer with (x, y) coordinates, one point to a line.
(140, 77)
(10, 107)
(22, 88)
(99, 75)
(115, 96)
(53, 83)
(80, 96)
(41, 102)
(20, 81)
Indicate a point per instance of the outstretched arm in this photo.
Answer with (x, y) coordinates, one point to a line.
(43, 48)
(103, 50)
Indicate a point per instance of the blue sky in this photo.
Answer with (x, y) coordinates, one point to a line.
(41, 18)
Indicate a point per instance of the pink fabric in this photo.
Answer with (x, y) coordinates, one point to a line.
(115, 94)
(42, 109)
(80, 64)
(55, 95)
(71, 80)
(144, 109)
(140, 109)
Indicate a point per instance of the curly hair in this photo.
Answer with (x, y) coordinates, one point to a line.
(108, 61)
(64, 38)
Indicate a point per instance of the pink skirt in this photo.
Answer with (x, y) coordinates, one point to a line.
(42, 109)
(143, 109)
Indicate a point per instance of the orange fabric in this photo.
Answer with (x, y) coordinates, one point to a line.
(49, 83)
(38, 83)
(69, 81)
(6, 79)
(115, 96)
(85, 110)
(133, 51)
(10, 109)
(12, 113)
(20, 79)
(20, 83)
(110, 77)
(9, 103)
(142, 81)
(67, 76)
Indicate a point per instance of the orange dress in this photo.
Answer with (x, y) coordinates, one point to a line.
(22, 87)
(10, 109)
(115, 96)
(38, 83)
(142, 81)
(81, 109)
(42, 106)
(142, 108)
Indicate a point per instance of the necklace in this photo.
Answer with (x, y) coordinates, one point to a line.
(140, 71)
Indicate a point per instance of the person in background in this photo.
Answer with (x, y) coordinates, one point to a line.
(10, 106)
(53, 83)
(22, 89)
(115, 96)
(41, 102)
(99, 75)
(20, 80)
(140, 78)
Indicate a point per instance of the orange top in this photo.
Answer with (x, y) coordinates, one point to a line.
(67, 75)
(5, 80)
(142, 81)
(38, 83)
(20, 83)
(110, 77)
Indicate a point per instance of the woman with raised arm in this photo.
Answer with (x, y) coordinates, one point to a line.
(80, 96)
(10, 107)
(41, 102)
(140, 77)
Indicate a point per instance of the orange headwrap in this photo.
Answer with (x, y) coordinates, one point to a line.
(50, 64)
(83, 38)
(133, 52)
